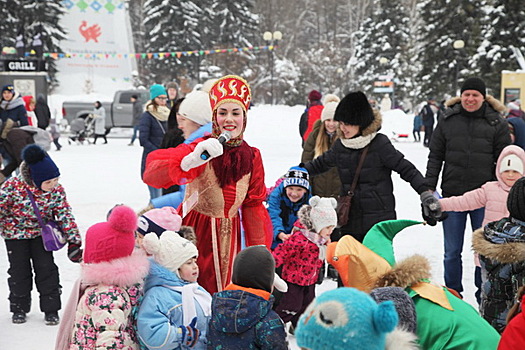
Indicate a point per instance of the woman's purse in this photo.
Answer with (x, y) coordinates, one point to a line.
(52, 235)
(344, 202)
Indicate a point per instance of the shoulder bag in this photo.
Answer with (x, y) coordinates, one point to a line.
(344, 202)
(52, 234)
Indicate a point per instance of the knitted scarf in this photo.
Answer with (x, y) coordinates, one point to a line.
(358, 142)
(161, 113)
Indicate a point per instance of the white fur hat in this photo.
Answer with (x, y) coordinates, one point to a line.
(511, 162)
(323, 212)
(196, 107)
(330, 103)
(170, 249)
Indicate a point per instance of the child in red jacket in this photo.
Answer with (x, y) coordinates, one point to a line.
(303, 254)
(513, 337)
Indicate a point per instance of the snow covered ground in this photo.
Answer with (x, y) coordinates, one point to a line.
(96, 177)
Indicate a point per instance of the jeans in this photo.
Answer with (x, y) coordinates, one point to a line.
(135, 132)
(154, 192)
(454, 236)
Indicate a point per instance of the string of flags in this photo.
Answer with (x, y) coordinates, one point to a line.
(156, 55)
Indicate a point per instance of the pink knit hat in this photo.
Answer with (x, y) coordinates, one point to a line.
(113, 239)
(159, 220)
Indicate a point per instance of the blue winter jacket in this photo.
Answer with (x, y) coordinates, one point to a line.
(15, 110)
(283, 211)
(241, 320)
(160, 313)
(519, 131)
(174, 199)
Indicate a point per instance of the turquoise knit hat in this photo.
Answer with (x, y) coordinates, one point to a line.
(156, 90)
(346, 318)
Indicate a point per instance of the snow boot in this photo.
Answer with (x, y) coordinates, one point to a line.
(52, 318)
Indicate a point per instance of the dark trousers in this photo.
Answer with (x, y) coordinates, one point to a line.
(57, 144)
(21, 253)
(294, 302)
(100, 135)
(417, 135)
(428, 135)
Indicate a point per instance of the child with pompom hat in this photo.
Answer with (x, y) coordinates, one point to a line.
(302, 256)
(175, 311)
(19, 226)
(103, 302)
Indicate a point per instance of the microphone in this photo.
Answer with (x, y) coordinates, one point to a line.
(223, 138)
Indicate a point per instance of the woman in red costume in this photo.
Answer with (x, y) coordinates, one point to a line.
(231, 179)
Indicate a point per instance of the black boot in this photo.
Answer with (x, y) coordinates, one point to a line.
(52, 318)
(332, 272)
(19, 317)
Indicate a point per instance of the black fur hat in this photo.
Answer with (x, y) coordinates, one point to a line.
(516, 200)
(354, 109)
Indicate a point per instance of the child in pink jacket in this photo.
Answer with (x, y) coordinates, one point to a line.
(493, 194)
(302, 255)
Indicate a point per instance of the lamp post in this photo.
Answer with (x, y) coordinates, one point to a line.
(458, 45)
(272, 39)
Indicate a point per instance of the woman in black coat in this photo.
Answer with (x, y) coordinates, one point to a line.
(373, 200)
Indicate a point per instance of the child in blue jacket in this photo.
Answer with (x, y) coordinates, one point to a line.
(285, 201)
(175, 311)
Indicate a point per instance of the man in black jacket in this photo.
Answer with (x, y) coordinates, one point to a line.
(467, 141)
(427, 115)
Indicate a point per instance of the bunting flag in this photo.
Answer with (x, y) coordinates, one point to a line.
(157, 55)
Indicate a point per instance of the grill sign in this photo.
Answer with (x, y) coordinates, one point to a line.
(24, 66)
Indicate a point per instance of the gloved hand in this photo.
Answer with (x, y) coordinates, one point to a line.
(190, 334)
(193, 160)
(431, 206)
(74, 252)
(428, 219)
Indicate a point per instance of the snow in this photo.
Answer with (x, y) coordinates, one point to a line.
(96, 177)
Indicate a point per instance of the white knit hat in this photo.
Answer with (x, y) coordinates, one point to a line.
(330, 103)
(511, 162)
(196, 107)
(170, 249)
(513, 105)
(323, 212)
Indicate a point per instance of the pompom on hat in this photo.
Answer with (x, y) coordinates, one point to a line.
(156, 90)
(170, 249)
(354, 109)
(516, 200)
(330, 103)
(323, 212)
(113, 239)
(41, 166)
(346, 318)
(474, 83)
(297, 176)
(159, 220)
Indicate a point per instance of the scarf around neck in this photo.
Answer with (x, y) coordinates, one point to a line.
(16, 101)
(161, 113)
(358, 142)
(319, 241)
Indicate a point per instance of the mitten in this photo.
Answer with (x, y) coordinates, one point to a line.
(431, 206)
(190, 334)
(193, 160)
(428, 219)
(74, 253)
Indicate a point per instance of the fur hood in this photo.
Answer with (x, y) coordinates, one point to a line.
(505, 253)
(24, 173)
(376, 124)
(406, 273)
(121, 272)
(304, 217)
(491, 100)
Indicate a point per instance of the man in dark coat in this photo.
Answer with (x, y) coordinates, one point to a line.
(427, 114)
(466, 143)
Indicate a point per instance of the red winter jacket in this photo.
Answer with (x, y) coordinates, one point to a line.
(300, 259)
(314, 114)
(513, 337)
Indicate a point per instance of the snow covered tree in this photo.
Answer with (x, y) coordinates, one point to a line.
(171, 26)
(503, 26)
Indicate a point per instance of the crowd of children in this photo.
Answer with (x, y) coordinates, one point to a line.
(140, 284)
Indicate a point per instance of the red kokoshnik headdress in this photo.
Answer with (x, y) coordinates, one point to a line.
(230, 88)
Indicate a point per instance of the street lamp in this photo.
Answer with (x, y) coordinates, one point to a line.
(458, 45)
(272, 39)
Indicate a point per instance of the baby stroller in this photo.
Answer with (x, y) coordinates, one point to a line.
(80, 129)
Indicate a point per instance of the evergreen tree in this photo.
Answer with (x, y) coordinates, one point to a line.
(503, 26)
(171, 27)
